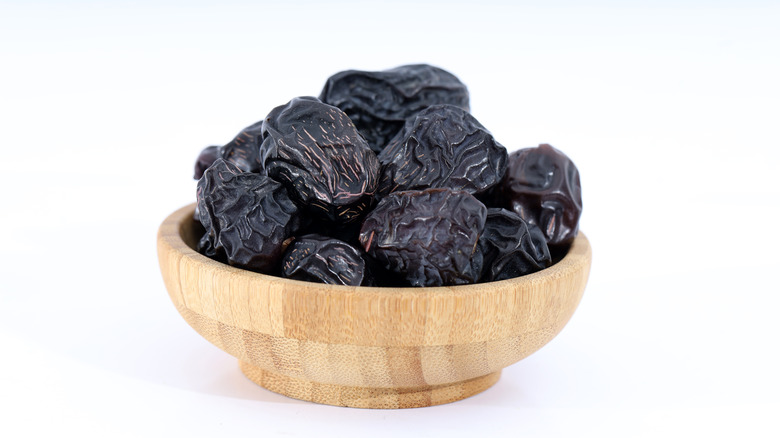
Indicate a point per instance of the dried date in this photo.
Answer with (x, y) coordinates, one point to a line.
(242, 151)
(510, 247)
(443, 146)
(247, 217)
(315, 150)
(322, 259)
(542, 185)
(206, 158)
(380, 102)
(430, 237)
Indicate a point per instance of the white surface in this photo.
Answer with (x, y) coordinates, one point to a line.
(670, 112)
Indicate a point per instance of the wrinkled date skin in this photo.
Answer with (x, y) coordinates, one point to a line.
(380, 102)
(247, 217)
(206, 158)
(428, 236)
(542, 185)
(444, 146)
(322, 259)
(510, 247)
(315, 150)
(242, 151)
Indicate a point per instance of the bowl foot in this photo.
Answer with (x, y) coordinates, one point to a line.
(364, 397)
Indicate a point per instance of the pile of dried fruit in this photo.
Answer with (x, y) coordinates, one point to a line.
(386, 179)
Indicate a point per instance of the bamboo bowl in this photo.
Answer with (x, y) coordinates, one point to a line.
(367, 347)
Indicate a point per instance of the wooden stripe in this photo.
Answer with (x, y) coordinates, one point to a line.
(402, 317)
(368, 347)
(365, 397)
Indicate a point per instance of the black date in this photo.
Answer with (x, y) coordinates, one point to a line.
(542, 185)
(315, 150)
(429, 237)
(242, 151)
(380, 102)
(322, 259)
(206, 158)
(247, 217)
(443, 146)
(510, 247)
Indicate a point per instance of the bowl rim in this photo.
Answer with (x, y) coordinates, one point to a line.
(170, 234)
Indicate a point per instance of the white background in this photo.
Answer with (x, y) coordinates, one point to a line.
(670, 110)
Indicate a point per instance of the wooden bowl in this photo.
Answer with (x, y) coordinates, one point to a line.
(367, 347)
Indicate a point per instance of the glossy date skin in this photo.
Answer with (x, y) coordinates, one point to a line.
(242, 151)
(428, 237)
(206, 158)
(316, 152)
(542, 185)
(511, 247)
(442, 147)
(248, 217)
(379, 102)
(323, 259)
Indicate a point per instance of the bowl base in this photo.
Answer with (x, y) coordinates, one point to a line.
(363, 397)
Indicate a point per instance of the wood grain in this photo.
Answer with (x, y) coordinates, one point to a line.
(368, 397)
(367, 346)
